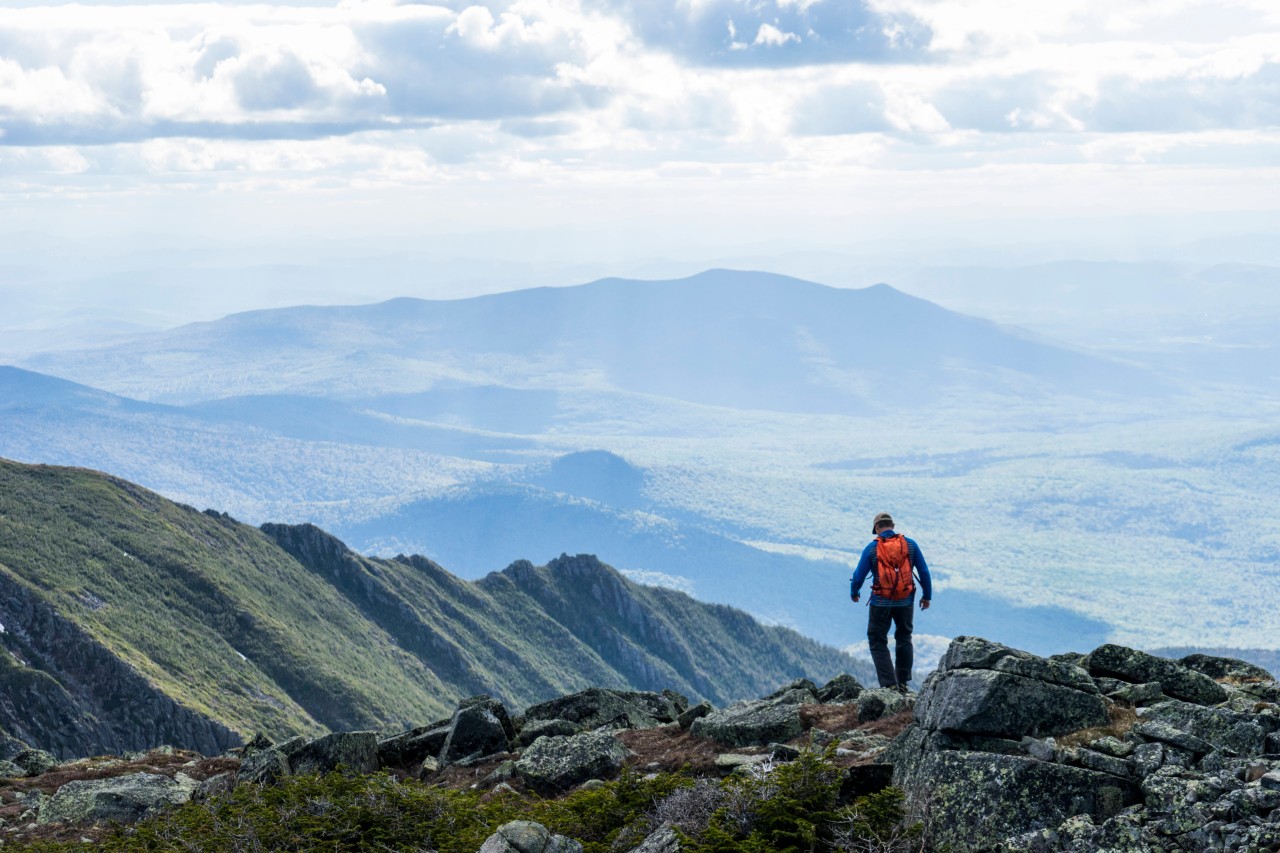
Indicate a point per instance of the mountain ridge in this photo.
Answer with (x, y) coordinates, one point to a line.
(227, 628)
(729, 338)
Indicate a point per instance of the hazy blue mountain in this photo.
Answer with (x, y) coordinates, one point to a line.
(597, 506)
(1218, 323)
(261, 458)
(25, 390)
(319, 419)
(729, 338)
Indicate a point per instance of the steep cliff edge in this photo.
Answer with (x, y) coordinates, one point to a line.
(66, 691)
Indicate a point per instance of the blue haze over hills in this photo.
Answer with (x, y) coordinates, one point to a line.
(753, 423)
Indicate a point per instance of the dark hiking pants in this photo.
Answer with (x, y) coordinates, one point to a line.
(878, 639)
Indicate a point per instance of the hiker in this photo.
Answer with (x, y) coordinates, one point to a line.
(889, 559)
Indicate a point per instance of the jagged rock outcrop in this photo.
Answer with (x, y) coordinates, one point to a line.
(409, 748)
(1014, 752)
(352, 752)
(1174, 679)
(479, 727)
(966, 752)
(842, 688)
(596, 707)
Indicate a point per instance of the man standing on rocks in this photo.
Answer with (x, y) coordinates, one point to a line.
(890, 559)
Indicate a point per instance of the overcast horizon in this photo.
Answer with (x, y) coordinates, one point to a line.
(642, 131)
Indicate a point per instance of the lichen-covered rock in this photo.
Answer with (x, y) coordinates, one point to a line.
(123, 798)
(594, 708)
(697, 712)
(1005, 704)
(1139, 667)
(214, 786)
(966, 755)
(678, 700)
(754, 723)
(479, 728)
(730, 762)
(534, 729)
(1134, 694)
(524, 836)
(662, 707)
(1113, 746)
(861, 780)
(1158, 730)
(1101, 762)
(263, 767)
(977, 653)
(1223, 668)
(555, 764)
(882, 702)
(1172, 792)
(34, 762)
(803, 685)
(984, 688)
(664, 839)
(980, 799)
(1243, 734)
(408, 749)
(355, 752)
(842, 688)
(9, 770)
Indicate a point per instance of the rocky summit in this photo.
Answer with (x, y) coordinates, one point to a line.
(1113, 750)
(1002, 750)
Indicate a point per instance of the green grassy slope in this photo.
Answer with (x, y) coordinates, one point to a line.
(208, 610)
(285, 629)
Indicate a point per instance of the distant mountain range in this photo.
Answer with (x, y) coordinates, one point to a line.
(726, 338)
(127, 620)
(729, 434)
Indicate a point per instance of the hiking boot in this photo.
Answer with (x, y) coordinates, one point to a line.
(902, 688)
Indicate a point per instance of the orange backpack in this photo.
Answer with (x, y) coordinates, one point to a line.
(893, 580)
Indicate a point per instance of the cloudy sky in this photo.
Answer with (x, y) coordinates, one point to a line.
(728, 119)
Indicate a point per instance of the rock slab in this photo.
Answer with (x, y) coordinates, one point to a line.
(124, 798)
(552, 765)
(525, 836)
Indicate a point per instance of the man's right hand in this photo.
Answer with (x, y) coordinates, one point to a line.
(855, 598)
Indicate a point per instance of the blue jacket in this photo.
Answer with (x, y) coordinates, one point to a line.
(867, 566)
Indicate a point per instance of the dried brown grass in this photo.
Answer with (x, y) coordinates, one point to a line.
(668, 749)
(1122, 720)
(892, 725)
(830, 718)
